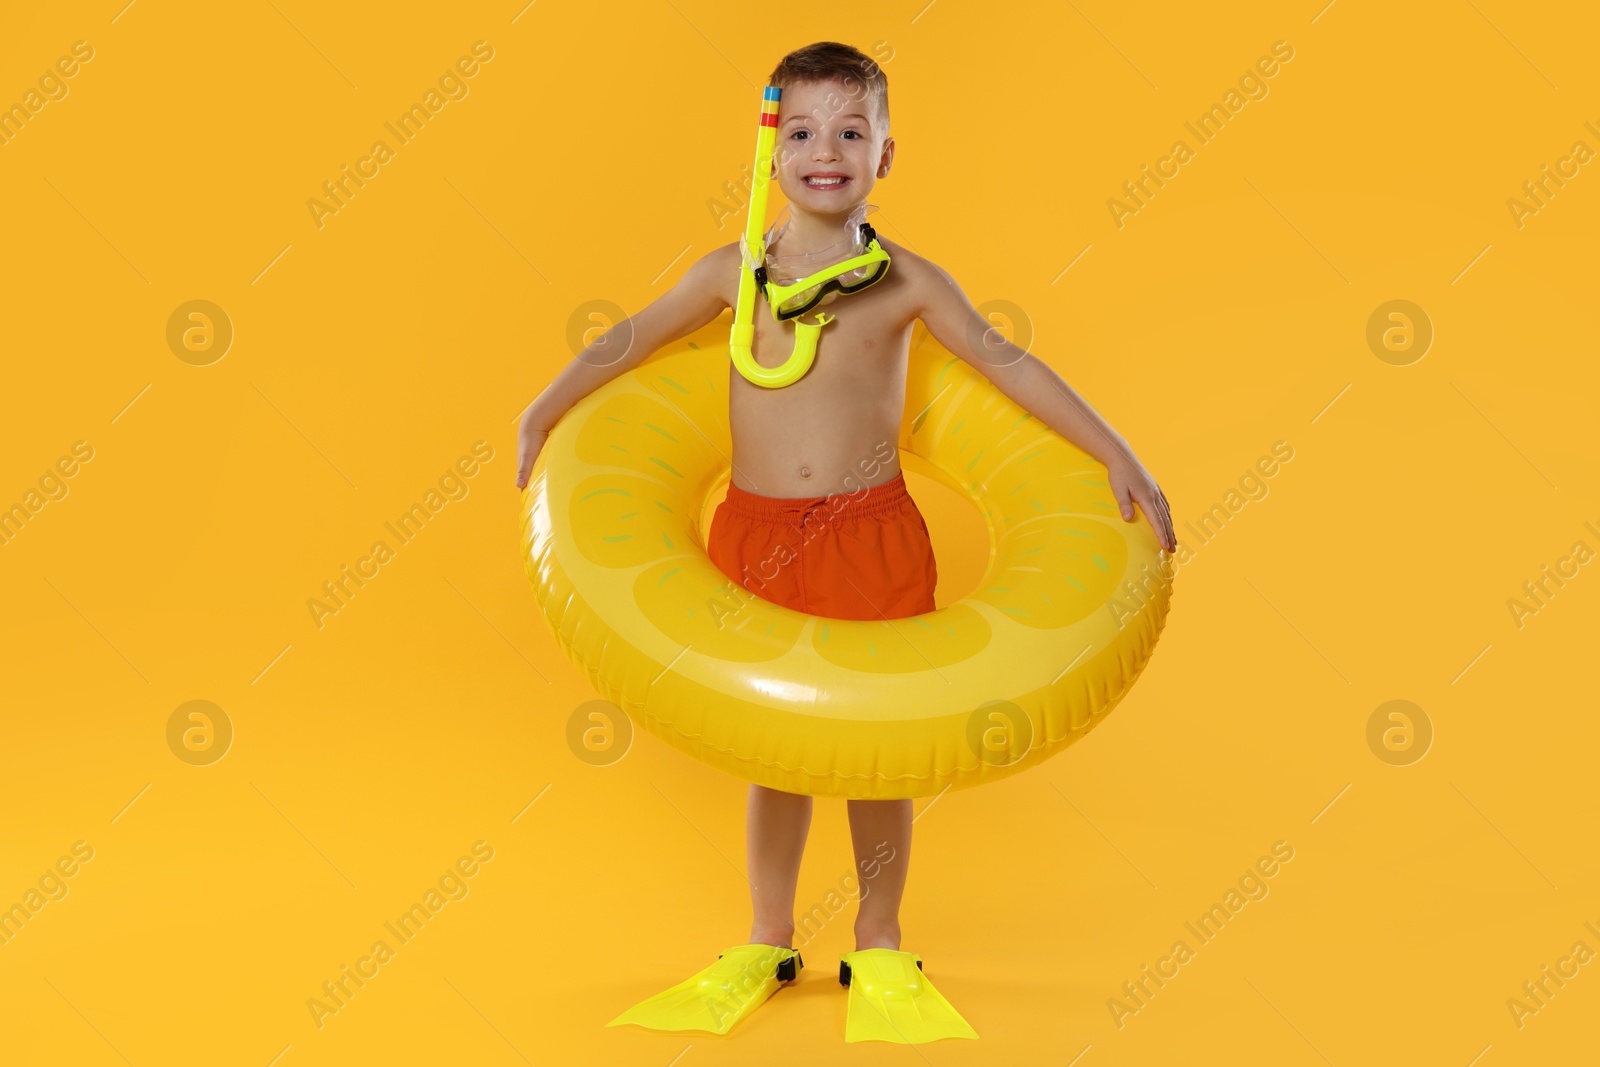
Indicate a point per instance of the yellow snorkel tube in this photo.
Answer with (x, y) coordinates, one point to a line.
(743, 335)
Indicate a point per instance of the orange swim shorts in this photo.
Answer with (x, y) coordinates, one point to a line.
(858, 555)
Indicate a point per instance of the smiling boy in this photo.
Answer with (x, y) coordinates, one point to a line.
(817, 485)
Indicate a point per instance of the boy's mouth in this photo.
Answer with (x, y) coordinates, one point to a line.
(826, 180)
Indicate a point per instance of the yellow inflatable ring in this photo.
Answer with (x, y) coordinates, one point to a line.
(1064, 620)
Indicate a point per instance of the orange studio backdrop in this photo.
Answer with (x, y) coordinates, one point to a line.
(295, 772)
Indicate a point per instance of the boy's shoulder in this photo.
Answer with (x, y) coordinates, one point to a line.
(921, 279)
(907, 263)
(718, 271)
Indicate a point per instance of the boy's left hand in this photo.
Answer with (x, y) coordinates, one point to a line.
(1132, 484)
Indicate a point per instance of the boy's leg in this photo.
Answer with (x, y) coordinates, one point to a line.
(776, 824)
(872, 823)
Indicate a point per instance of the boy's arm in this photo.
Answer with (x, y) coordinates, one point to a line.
(956, 324)
(687, 306)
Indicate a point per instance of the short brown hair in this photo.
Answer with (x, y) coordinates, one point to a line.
(829, 60)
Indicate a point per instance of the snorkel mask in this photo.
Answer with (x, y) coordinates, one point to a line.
(791, 285)
(788, 301)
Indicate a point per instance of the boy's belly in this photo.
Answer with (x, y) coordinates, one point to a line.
(777, 467)
(839, 439)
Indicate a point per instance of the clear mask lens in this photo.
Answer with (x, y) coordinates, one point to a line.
(851, 279)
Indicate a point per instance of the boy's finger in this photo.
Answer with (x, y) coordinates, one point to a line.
(1160, 524)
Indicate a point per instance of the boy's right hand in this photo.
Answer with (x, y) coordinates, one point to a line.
(530, 439)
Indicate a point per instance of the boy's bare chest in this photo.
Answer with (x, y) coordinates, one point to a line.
(865, 341)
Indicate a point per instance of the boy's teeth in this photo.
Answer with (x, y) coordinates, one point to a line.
(824, 181)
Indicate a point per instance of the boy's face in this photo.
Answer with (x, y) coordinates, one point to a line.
(829, 151)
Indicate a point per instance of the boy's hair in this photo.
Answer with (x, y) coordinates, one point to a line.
(828, 60)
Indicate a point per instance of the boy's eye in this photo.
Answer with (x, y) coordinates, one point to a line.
(797, 134)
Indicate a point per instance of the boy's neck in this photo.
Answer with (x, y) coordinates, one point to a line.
(809, 231)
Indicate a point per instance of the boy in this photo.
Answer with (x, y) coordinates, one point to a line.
(817, 516)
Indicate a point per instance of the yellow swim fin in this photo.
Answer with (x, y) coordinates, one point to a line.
(739, 982)
(892, 1000)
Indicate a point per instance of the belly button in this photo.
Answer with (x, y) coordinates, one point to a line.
(805, 472)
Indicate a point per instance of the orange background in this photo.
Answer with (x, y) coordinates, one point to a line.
(371, 753)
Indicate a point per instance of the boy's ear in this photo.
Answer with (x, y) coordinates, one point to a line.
(887, 160)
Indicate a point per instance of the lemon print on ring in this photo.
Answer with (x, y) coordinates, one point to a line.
(1063, 621)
